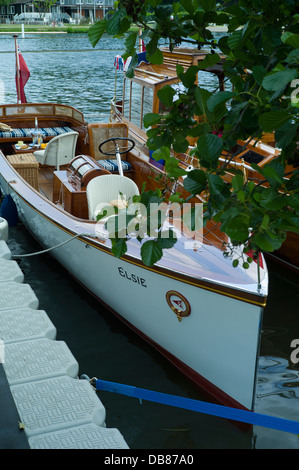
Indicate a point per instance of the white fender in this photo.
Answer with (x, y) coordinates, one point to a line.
(3, 229)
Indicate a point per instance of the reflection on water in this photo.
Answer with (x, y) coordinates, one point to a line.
(277, 390)
(277, 378)
(276, 395)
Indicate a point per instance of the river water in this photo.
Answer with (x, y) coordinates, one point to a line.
(66, 69)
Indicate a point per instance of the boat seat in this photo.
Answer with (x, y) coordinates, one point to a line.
(59, 151)
(21, 133)
(112, 166)
(98, 132)
(104, 189)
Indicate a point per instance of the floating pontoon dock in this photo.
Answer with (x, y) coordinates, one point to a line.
(43, 403)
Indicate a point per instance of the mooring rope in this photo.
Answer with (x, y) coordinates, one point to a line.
(17, 256)
(221, 411)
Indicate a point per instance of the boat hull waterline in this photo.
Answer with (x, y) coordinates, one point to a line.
(212, 336)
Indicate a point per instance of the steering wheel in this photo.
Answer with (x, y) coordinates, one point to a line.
(120, 146)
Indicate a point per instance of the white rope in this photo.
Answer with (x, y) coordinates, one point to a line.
(57, 246)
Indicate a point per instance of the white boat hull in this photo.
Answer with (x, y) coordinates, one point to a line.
(216, 343)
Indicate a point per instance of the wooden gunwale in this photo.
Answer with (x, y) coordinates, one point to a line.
(35, 106)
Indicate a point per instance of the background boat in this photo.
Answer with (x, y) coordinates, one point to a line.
(140, 96)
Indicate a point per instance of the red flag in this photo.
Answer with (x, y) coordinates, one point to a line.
(23, 76)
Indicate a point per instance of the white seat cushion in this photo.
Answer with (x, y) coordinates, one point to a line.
(40, 156)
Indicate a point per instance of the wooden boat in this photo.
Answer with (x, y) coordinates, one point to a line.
(201, 313)
(140, 96)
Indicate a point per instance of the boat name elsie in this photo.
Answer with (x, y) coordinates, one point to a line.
(132, 277)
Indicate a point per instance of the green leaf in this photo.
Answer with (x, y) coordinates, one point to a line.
(156, 57)
(130, 42)
(119, 247)
(285, 134)
(96, 31)
(209, 61)
(209, 147)
(257, 168)
(219, 98)
(150, 197)
(241, 195)
(152, 45)
(272, 200)
(236, 229)
(208, 5)
(151, 119)
(219, 191)
(180, 146)
(162, 153)
(113, 24)
(272, 120)
(189, 77)
(293, 57)
(237, 182)
(278, 80)
(179, 69)
(265, 221)
(172, 167)
(202, 97)
(274, 172)
(166, 95)
(167, 239)
(265, 242)
(234, 39)
(132, 66)
(188, 5)
(259, 72)
(236, 108)
(151, 252)
(291, 39)
(154, 3)
(195, 181)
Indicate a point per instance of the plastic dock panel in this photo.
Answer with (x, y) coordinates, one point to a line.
(23, 324)
(56, 409)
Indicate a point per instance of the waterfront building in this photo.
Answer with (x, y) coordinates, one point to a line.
(66, 11)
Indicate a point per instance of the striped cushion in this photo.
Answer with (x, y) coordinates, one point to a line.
(47, 132)
(111, 165)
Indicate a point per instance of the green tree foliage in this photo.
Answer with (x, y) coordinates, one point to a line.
(5, 2)
(262, 59)
(44, 5)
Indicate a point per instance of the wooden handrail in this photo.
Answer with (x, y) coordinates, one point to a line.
(52, 111)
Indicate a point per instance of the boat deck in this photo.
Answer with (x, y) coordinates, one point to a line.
(46, 182)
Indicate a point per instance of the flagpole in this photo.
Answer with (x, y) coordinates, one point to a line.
(140, 40)
(18, 69)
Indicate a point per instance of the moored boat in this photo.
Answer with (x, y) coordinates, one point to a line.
(204, 315)
(199, 311)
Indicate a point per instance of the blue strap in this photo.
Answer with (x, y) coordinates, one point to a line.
(235, 414)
